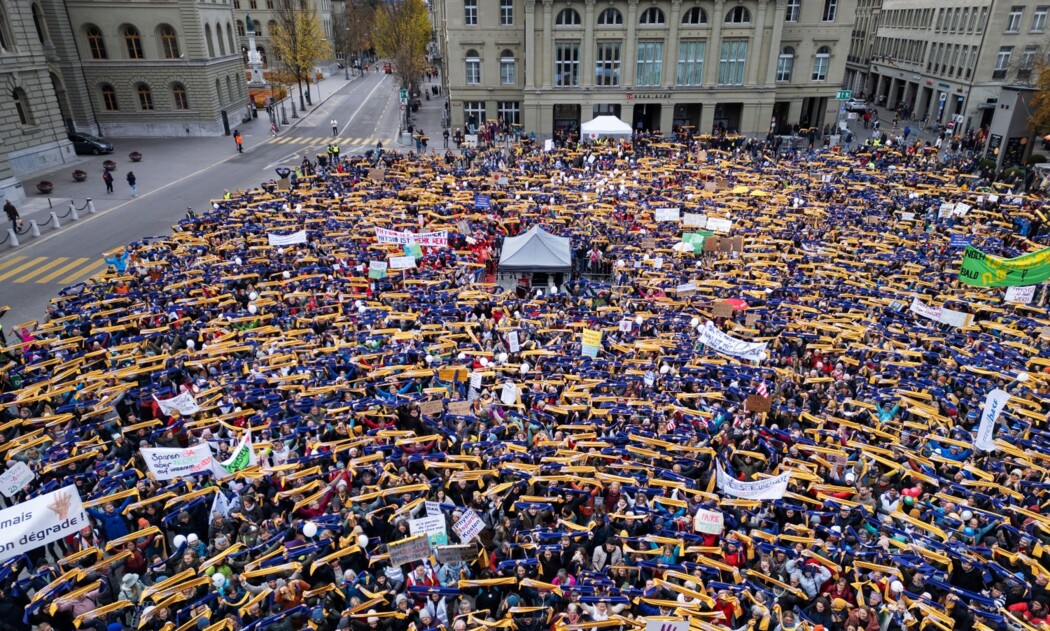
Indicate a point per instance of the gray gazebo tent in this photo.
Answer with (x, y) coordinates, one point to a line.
(536, 251)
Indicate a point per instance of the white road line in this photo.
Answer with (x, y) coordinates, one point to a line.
(363, 101)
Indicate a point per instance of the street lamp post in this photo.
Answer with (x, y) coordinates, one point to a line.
(284, 116)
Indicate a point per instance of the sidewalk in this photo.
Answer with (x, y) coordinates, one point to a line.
(427, 119)
(164, 160)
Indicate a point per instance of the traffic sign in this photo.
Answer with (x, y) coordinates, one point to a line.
(403, 106)
(844, 95)
(944, 97)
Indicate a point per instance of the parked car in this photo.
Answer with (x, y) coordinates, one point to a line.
(86, 144)
(856, 105)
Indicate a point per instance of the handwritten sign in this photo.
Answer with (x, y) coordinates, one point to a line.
(459, 408)
(757, 404)
(708, 521)
(402, 262)
(665, 214)
(414, 548)
(453, 554)
(469, 526)
(431, 408)
(17, 476)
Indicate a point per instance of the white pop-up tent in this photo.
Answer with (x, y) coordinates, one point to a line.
(605, 127)
(536, 251)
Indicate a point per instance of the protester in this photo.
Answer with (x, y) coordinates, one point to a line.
(753, 401)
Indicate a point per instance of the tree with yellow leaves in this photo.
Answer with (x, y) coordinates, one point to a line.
(1039, 117)
(401, 35)
(298, 40)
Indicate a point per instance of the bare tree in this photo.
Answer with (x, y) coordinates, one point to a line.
(401, 35)
(353, 29)
(298, 40)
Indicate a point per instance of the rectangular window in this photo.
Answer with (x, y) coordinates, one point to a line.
(607, 70)
(470, 12)
(567, 64)
(253, 4)
(1024, 70)
(983, 21)
(690, 62)
(820, 66)
(831, 9)
(506, 12)
(793, 9)
(731, 63)
(473, 70)
(508, 71)
(1002, 62)
(1013, 21)
(509, 112)
(473, 114)
(785, 65)
(1039, 19)
(650, 63)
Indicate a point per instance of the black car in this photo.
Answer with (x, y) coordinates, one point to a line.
(86, 144)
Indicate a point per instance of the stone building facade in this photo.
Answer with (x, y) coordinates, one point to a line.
(746, 66)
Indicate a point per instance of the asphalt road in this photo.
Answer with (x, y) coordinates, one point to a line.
(366, 111)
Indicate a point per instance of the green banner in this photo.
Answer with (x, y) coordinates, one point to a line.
(696, 239)
(984, 270)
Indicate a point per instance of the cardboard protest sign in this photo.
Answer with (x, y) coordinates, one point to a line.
(708, 522)
(431, 408)
(757, 403)
(459, 408)
(454, 554)
(167, 463)
(414, 548)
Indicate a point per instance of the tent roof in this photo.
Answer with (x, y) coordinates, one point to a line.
(536, 251)
(608, 125)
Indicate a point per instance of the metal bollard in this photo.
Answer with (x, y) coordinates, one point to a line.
(73, 211)
(33, 228)
(54, 220)
(12, 237)
(91, 206)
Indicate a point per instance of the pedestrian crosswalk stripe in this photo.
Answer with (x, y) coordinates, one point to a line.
(40, 270)
(84, 271)
(323, 141)
(11, 261)
(21, 268)
(65, 269)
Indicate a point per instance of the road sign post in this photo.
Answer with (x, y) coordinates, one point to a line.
(844, 95)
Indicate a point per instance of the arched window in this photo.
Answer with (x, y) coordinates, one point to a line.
(6, 42)
(222, 42)
(610, 17)
(240, 29)
(38, 23)
(473, 67)
(785, 64)
(207, 38)
(132, 42)
(568, 17)
(145, 97)
(96, 42)
(262, 54)
(109, 98)
(508, 68)
(229, 37)
(694, 16)
(652, 16)
(259, 29)
(178, 96)
(229, 89)
(25, 115)
(218, 91)
(821, 61)
(738, 15)
(271, 26)
(169, 41)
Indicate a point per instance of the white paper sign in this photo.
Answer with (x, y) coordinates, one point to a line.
(694, 220)
(719, 224)
(469, 526)
(165, 463)
(548, 145)
(184, 404)
(993, 405)
(720, 342)
(665, 214)
(17, 476)
(625, 326)
(958, 319)
(287, 239)
(766, 489)
(907, 216)
(1020, 294)
(41, 520)
(961, 209)
(666, 625)
(475, 380)
(402, 262)
(438, 239)
(509, 394)
(433, 508)
(512, 341)
(708, 521)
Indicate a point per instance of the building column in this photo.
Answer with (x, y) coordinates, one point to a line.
(774, 41)
(713, 53)
(630, 46)
(666, 117)
(530, 44)
(707, 118)
(587, 54)
(756, 58)
(670, 58)
(547, 52)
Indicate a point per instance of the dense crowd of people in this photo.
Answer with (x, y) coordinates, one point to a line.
(558, 489)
